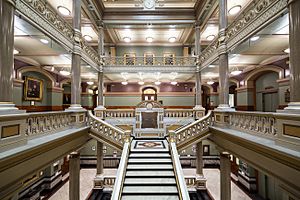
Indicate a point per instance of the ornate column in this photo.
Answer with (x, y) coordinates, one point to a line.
(99, 110)
(199, 110)
(223, 58)
(76, 58)
(74, 177)
(225, 180)
(99, 179)
(7, 11)
(294, 26)
(200, 180)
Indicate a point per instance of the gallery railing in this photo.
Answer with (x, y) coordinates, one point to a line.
(179, 113)
(119, 113)
(150, 61)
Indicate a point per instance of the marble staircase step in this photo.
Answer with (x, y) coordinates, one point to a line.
(135, 150)
(149, 173)
(150, 181)
(150, 197)
(149, 155)
(150, 190)
(149, 166)
(143, 160)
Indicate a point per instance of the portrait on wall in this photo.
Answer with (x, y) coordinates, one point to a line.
(129, 59)
(148, 58)
(33, 89)
(169, 59)
(66, 98)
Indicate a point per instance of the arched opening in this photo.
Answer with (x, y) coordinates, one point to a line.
(232, 95)
(205, 97)
(149, 93)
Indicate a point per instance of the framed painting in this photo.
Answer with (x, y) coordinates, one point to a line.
(169, 58)
(33, 89)
(129, 59)
(149, 59)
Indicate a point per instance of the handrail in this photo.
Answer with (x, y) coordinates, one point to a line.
(181, 184)
(118, 186)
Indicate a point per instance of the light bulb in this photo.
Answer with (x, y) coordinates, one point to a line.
(172, 39)
(124, 82)
(90, 82)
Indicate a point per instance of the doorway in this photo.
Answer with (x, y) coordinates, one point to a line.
(149, 94)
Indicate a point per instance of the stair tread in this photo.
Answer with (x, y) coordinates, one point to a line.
(150, 189)
(144, 181)
(150, 173)
(149, 166)
(152, 155)
(150, 197)
(144, 160)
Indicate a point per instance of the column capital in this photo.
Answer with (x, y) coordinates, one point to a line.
(12, 2)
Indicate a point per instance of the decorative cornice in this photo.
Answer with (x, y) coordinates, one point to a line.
(146, 68)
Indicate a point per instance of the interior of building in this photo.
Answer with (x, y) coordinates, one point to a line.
(150, 99)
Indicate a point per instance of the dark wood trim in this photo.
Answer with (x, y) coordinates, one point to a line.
(40, 108)
(245, 108)
(281, 107)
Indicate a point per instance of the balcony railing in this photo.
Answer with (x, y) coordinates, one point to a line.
(150, 61)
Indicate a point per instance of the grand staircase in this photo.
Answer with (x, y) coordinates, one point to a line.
(150, 173)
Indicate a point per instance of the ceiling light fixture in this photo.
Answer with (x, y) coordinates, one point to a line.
(64, 11)
(90, 82)
(173, 82)
(210, 82)
(157, 82)
(210, 37)
(16, 51)
(211, 66)
(127, 39)
(141, 82)
(172, 39)
(253, 39)
(234, 10)
(44, 41)
(64, 73)
(236, 71)
(149, 39)
(287, 50)
(88, 38)
(124, 82)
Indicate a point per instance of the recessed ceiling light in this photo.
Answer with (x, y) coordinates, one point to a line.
(65, 73)
(210, 82)
(149, 39)
(157, 82)
(141, 82)
(90, 82)
(64, 11)
(44, 41)
(127, 39)
(124, 82)
(88, 38)
(286, 50)
(254, 38)
(236, 72)
(16, 51)
(211, 66)
(210, 37)
(172, 39)
(234, 10)
(173, 82)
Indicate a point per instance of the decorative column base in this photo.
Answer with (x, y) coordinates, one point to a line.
(199, 111)
(293, 107)
(200, 182)
(99, 181)
(99, 111)
(9, 108)
(75, 107)
(224, 107)
(221, 117)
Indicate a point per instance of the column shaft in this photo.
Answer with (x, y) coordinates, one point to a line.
(101, 41)
(74, 177)
(197, 40)
(198, 89)
(99, 158)
(76, 56)
(199, 152)
(294, 25)
(100, 89)
(7, 11)
(225, 180)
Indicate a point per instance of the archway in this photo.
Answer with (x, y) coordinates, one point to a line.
(149, 93)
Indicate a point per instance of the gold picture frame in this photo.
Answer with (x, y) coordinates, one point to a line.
(169, 59)
(149, 58)
(33, 89)
(129, 58)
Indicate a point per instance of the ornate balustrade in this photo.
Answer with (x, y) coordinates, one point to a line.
(191, 133)
(107, 133)
(261, 123)
(119, 113)
(179, 113)
(150, 61)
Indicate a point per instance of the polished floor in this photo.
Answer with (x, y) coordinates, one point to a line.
(212, 175)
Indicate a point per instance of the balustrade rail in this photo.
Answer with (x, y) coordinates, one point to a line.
(119, 113)
(189, 134)
(179, 113)
(150, 61)
(261, 123)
